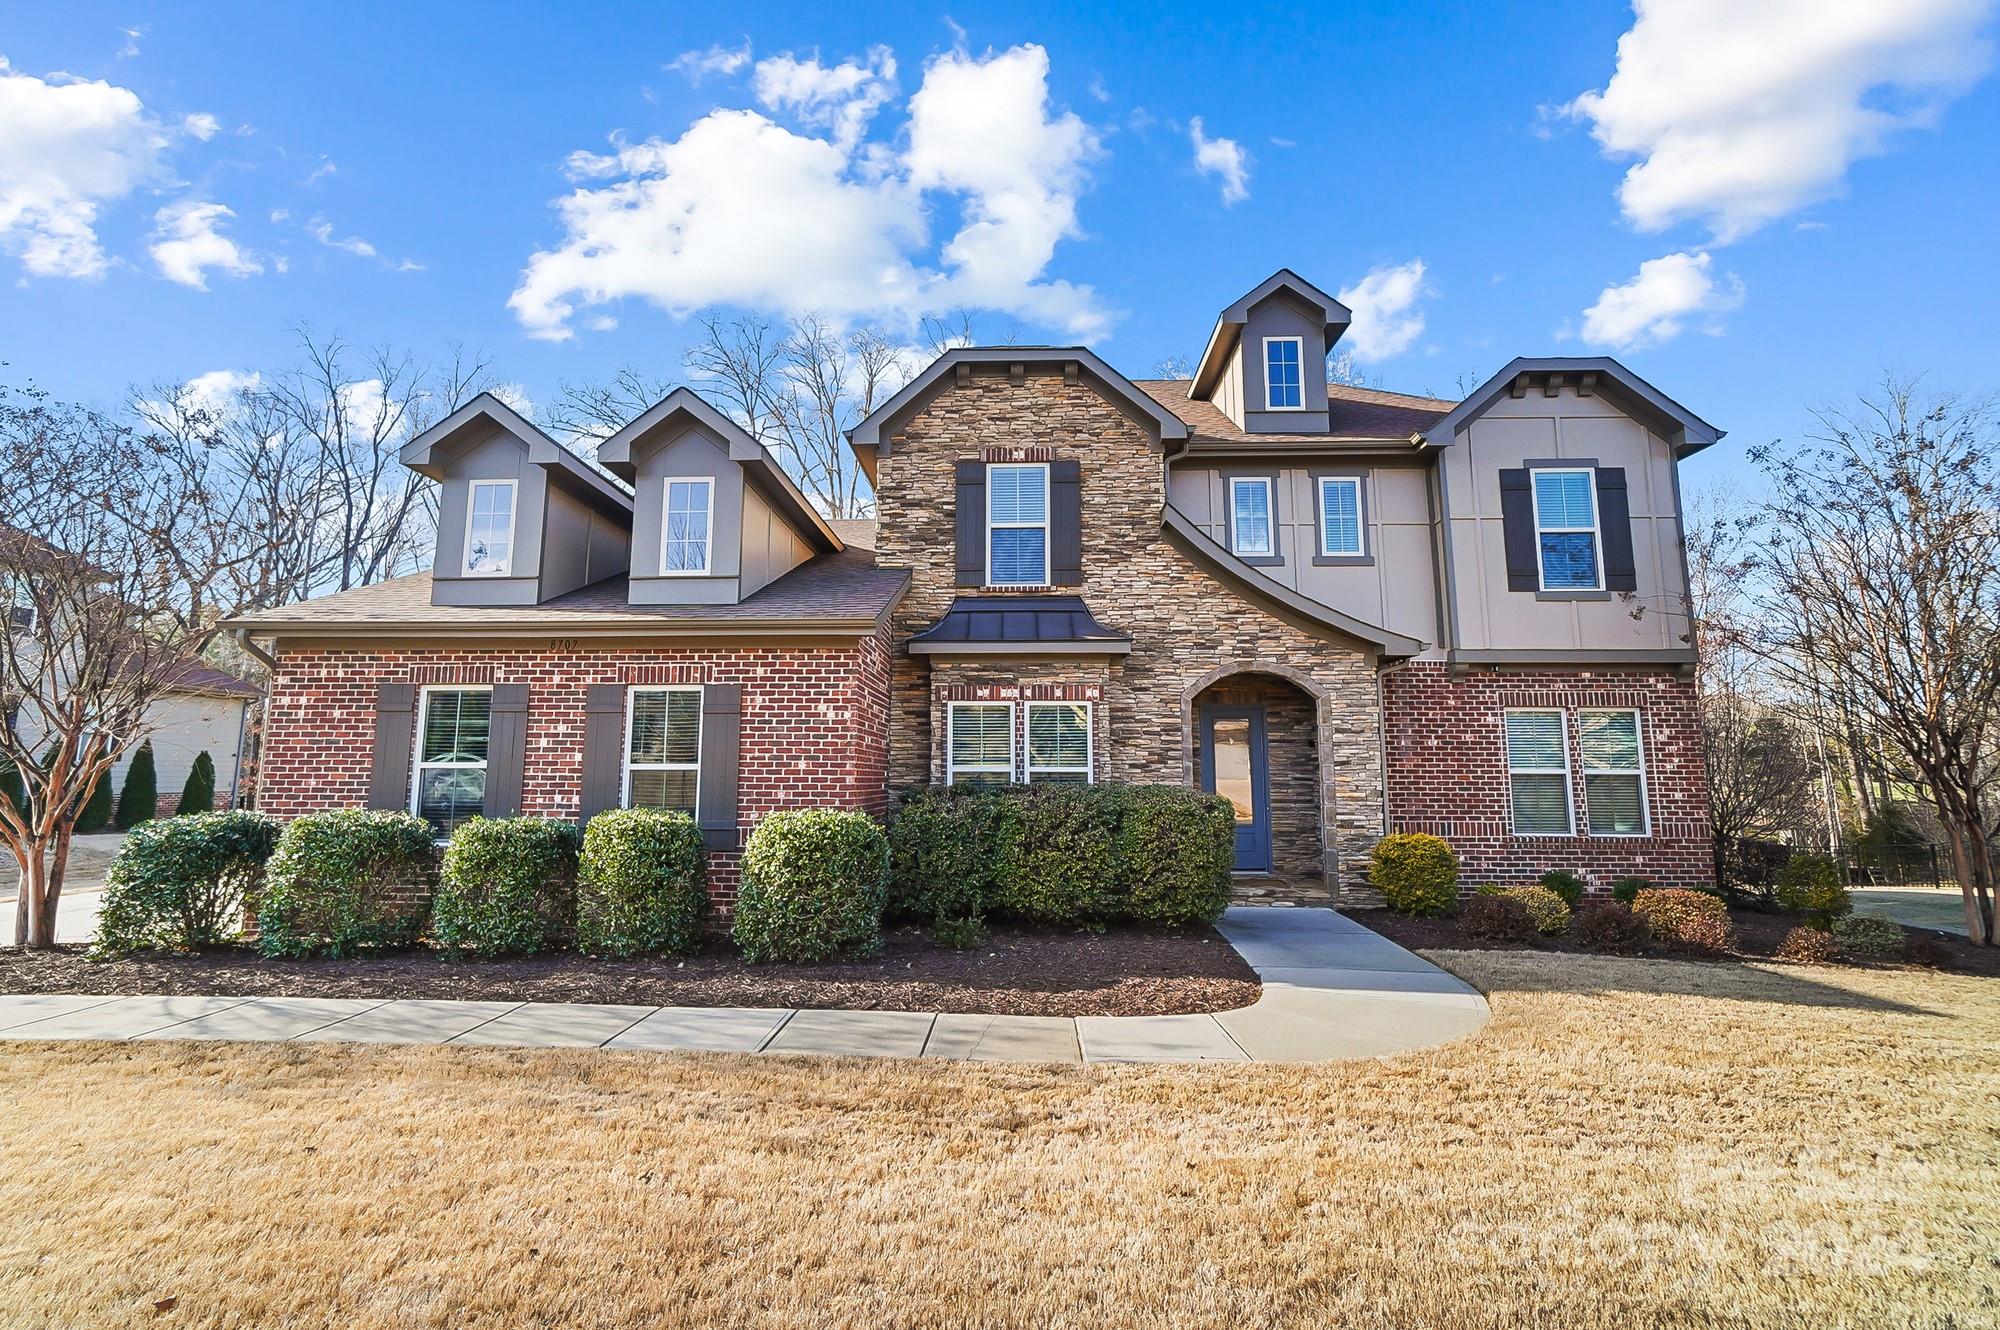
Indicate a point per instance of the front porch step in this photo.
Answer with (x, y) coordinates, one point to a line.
(1277, 889)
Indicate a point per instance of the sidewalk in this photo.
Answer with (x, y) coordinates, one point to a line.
(1332, 989)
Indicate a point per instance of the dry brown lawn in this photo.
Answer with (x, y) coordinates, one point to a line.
(1627, 1144)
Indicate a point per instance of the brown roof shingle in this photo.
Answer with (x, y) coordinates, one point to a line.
(1352, 413)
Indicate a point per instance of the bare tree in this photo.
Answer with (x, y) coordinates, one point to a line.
(1173, 367)
(1879, 556)
(586, 412)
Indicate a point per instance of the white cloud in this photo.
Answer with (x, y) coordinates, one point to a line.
(188, 241)
(1740, 114)
(218, 391)
(698, 65)
(516, 397)
(843, 98)
(742, 211)
(1655, 306)
(325, 168)
(68, 149)
(201, 125)
(1387, 321)
(131, 46)
(321, 230)
(1224, 158)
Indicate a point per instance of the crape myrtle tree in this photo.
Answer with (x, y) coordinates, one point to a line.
(1879, 565)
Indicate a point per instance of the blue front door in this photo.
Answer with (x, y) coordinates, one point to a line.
(1234, 766)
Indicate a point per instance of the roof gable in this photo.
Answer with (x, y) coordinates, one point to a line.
(1683, 429)
(872, 433)
(1229, 325)
(425, 453)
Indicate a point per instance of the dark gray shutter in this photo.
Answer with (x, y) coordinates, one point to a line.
(1614, 518)
(506, 749)
(603, 750)
(389, 782)
(971, 501)
(1517, 522)
(721, 724)
(1066, 522)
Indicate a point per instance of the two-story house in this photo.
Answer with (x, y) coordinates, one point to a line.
(1348, 611)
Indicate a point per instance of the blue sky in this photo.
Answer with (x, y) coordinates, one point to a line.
(1810, 201)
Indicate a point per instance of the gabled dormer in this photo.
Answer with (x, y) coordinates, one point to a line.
(521, 519)
(1265, 364)
(715, 517)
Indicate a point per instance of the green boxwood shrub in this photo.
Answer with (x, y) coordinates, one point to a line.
(1810, 885)
(946, 845)
(184, 883)
(1564, 884)
(139, 799)
(1176, 847)
(642, 883)
(815, 881)
(1625, 890)
(1547, 910)
(1060, 864)
(1868, 939)
(1690, 921)
(198, 793)
(507, 887)
(1416, 873)
(343, 881)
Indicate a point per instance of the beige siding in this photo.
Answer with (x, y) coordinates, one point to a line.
(770, 547)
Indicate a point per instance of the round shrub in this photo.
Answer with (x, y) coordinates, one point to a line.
(1868, 939)
(1810, 885)
(1416, 873)
(641, 884)
(507, 888)
(1610, 927)
(1060, 864)
(945, 846)
(1808, 946)
(1564, 884)
(1687, 921)
(814, 884)
(1501, 918)
(1625, 890)
(184, 883)
(1547, 911)
(342, 881)
(1174, 852)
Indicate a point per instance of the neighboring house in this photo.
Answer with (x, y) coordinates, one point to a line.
(1349, 611)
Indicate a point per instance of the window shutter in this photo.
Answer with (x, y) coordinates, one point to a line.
(506, 749)
(971, 502)
(1614, 518)
(1517, 520)
(721, 722)
(1066, 522)
(603, 750)
(395, 725)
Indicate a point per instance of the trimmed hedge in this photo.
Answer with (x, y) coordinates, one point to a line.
(1690, 921)
(1416, 873)
(1547, 910)
(815, 881)
(945, 850)
(507, 888)
(331, 888)
(1176, 847)
(1564, 884)
(642, 883)
(139, 800)
(1062, 863)
(183, 883)
(1868, 939)
(1810, 885)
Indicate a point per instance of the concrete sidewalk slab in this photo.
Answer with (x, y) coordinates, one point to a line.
(18, 1009)
(410, 1021)
(1004, 1038)
(126, 1018)
(268, 1018)
(889, 1034)
(555, 1025)
(705, 1029)
(1155, 1039)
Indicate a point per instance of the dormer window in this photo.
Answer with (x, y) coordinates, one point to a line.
(489, 529)
(685, 545)
(1284, 374)
(1017, 524)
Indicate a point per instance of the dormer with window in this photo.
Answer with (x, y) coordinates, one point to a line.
(521, 519)
(1265, 364)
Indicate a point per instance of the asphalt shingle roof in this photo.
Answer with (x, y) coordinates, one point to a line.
(1352, 413)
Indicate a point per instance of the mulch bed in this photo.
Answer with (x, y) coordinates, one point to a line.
(1020, 972)
(1758, 936)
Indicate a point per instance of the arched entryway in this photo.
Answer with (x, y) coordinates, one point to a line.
(1253, 737)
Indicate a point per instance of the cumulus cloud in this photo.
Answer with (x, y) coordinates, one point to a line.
(1223, 158)
(187, 242)
(219, 391)
(1387, 321)
(741, 210)
(1656, 305)
(201, 125)
(1740, 114)
(698, 65)
(69, 148)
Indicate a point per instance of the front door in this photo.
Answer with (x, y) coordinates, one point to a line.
(1233, 766)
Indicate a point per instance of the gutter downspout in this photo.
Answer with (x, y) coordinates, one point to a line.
(241, 636)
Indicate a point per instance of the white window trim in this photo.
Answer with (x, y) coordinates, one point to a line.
(1270, 514)
(1569, 782)
(513, 488)
(1645, 808)
(1046, 526)
(1596, 521)
(1089, 767)
(708, 524)
(1300, 343)
(952, 769)
(625, 757)
(417, 764)
(1360, 550)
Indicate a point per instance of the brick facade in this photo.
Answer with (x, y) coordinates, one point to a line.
(814, 726)
(1448, 772)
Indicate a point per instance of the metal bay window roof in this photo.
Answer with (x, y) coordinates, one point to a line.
(1019, 626)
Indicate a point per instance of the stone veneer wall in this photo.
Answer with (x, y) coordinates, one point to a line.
(1188, 628)
(1291, 754)
(1448, 772)
(814, 726)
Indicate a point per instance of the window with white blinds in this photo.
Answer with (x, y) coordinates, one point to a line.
(1059, 742)
(1340, 516)
(452, 732)
(1250, 520)
(1614, 771)
(1538, 772)
(663, 749)
(980, 745)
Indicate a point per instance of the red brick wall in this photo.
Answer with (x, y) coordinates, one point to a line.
(1447, 772)
(815, 723)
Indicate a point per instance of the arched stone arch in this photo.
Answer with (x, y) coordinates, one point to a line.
(1312, 688)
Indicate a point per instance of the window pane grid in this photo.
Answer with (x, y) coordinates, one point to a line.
(1250, 515)
(684, 546)
(1283, 379)
(981, 742)
(1538, 772)
(1566, 529)
(1614, 780)
(663, 749)
(1059, 741)
(1340, 516)
(489, 527)
(452, 742)
(1017, 517)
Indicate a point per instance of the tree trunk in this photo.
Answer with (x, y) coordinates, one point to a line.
(42, 932)
(1972, 860)
(28, 905)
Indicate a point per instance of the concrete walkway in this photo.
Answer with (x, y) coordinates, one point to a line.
(1332, 989)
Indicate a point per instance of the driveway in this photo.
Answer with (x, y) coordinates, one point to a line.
(83, 889)
(1917, 907)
